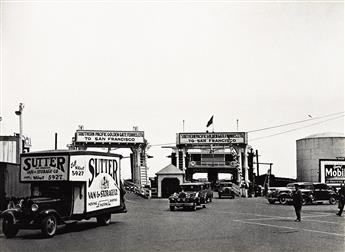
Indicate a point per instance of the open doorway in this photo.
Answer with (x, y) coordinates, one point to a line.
(169, 186)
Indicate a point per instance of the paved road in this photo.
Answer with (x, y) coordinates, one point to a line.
(225, 225)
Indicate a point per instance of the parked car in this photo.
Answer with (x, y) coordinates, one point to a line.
(225, 189)
(312, 192)
(280, 194)
(191, 195)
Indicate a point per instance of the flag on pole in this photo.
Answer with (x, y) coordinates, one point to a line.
(209, 122)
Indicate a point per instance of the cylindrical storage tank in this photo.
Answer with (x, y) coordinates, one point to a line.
(315, 147)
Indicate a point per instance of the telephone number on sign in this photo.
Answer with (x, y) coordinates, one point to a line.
(55, 177)
(77, 173)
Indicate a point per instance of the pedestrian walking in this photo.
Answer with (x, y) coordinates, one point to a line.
(297, 202)
(341, 194)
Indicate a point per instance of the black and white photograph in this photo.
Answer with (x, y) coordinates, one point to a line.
(172, 125)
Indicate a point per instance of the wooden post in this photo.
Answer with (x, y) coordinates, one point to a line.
(55, 141)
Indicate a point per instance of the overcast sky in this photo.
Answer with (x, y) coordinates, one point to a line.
(113, 65)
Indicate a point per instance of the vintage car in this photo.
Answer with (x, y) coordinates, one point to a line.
(312, 192)
(191, 195)
(280, 194)
(225, 189)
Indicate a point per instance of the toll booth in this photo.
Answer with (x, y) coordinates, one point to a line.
(133, 140)
(213, 153)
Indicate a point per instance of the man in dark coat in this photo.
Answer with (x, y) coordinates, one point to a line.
(297, 202)
(341, 194)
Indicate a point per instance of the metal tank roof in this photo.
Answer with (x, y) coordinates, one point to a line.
(325, 135)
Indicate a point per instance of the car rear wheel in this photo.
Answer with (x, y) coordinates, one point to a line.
(283, 200)
(271, 201)
(8, 227)
(332, 200)
(172, 208)
(49, 226)
(104, 219)
(220, 196)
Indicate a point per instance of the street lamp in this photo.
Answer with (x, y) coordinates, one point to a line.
(19, 113)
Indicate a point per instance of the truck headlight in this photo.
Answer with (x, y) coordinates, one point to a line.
(34, 207)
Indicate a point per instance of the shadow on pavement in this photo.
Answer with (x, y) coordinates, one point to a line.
(64, 229)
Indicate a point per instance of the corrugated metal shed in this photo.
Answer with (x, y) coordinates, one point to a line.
(9, 149)
(9, 182)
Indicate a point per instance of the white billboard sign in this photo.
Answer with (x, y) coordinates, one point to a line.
(109, 137)
(216, 138)
(102, 176)
(332, 171)
(44, 168)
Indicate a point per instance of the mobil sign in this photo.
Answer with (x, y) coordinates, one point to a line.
(332, 171)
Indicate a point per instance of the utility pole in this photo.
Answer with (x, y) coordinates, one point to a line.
(257, 162)
(20, 113)
(55, 141)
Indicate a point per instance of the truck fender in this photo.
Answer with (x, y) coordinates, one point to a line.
(9, 213)
(47, 212)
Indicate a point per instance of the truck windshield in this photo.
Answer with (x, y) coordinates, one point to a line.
(52, 190)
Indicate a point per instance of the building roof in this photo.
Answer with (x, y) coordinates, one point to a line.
(170, 169)
(326, 134)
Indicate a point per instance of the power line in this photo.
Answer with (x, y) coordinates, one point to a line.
(287, 131)
(152, 145)
(287, 124)
(281, 125)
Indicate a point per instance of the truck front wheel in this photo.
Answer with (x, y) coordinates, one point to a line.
(8, 228)
(49, 226)
(104, 219)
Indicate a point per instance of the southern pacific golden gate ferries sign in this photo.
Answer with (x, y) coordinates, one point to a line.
(216, 138)
(104, 136)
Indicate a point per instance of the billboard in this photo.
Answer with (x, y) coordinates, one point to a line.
(44, 168)
(102, 176)
(214, 138)
(109, 137)
(332, 171)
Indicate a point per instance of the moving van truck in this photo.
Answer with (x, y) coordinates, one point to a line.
(66, 186)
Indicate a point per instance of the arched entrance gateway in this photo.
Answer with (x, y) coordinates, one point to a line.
(213, 153)
(133, 140)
